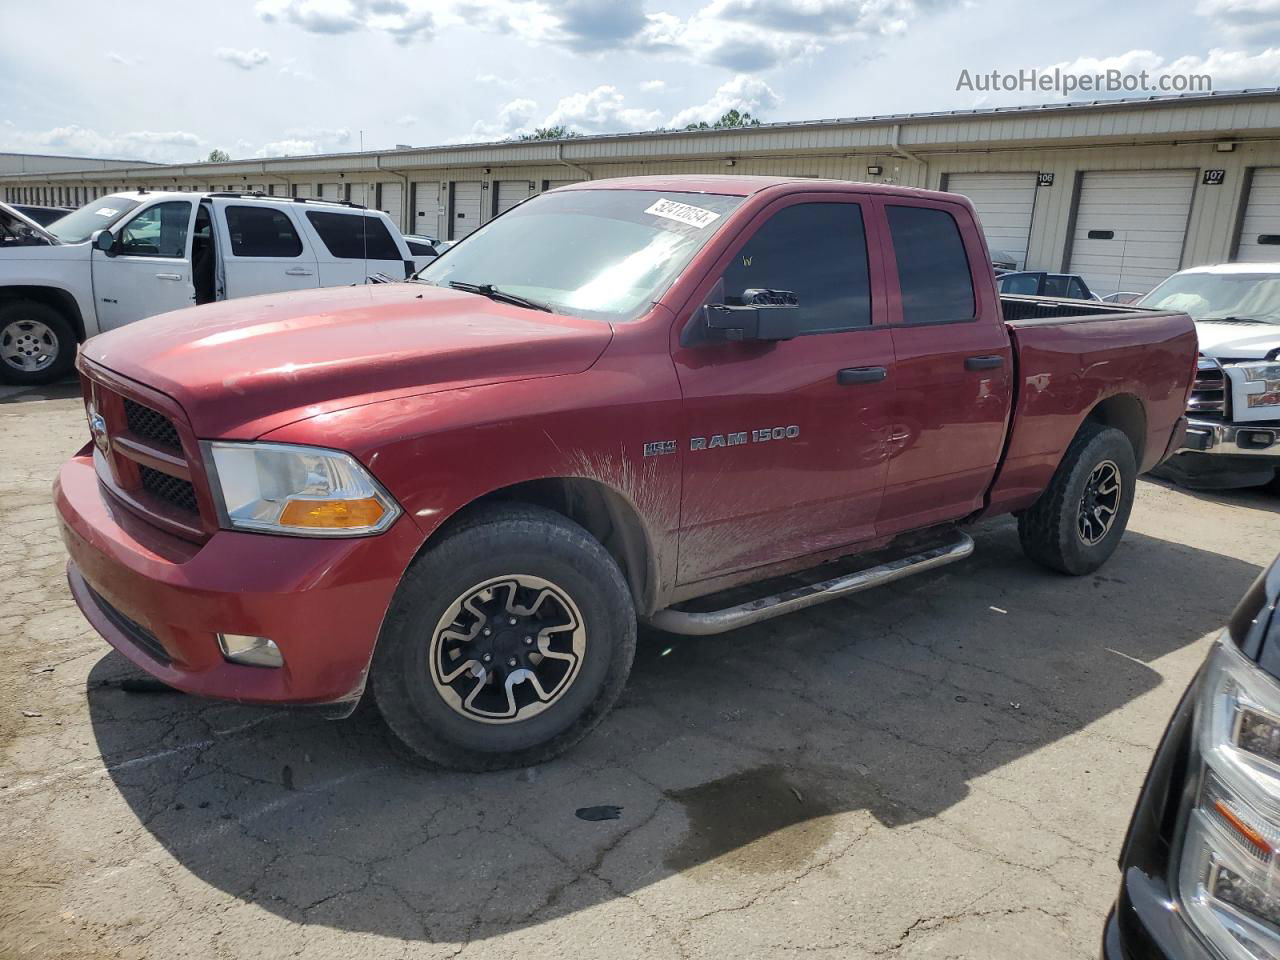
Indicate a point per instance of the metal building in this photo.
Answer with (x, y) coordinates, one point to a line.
(1122, 191)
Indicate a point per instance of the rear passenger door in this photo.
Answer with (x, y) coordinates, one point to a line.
(953, 365)
(261, 250)
(351, 246)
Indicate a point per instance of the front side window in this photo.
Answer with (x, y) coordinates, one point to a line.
(349, 236)
(606, 254)
(262, 232)
(818, 251)
(933, 270)
(158, 231)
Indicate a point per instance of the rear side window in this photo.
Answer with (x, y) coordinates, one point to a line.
(1021, 283)
(262, 232)
(933, 271)
(818, 251)
(354, 237)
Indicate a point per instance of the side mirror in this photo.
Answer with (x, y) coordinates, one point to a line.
(765, 315)
(105, 241)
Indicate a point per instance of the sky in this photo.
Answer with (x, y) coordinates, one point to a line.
(170, 81)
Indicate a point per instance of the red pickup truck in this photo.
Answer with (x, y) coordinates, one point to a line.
(670, 399)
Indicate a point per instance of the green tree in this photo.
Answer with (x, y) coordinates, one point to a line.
(218, 156)
(730, 118)
(558, 132)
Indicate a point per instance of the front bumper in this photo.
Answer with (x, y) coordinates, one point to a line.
(1233, 439)
(160, 601)
(1147, 921)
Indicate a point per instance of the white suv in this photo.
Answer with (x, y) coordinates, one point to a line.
(128, 256)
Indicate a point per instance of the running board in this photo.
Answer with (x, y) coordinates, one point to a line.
(789, 601)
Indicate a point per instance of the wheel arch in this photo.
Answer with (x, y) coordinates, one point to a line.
(57, 298)
(1126, 413)
(601, 510)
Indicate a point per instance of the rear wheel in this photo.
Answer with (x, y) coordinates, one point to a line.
(37, 344)
(506, 644)
(1078, 521)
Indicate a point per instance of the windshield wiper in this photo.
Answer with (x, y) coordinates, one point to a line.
(1236, 319)
(493, 293)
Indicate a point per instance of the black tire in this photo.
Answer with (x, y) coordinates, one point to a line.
(21, 317)
(1050, 528)
(498, 542)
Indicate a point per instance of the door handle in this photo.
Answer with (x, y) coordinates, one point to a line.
(984, 363)
(168, 276)
(852, 375)
(297, 272)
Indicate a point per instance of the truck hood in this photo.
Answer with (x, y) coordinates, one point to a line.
(14, 218)
(244, 367)
(1237, 341)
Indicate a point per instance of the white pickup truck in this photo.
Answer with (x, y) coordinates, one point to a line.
(132, 255)
(1233, 421)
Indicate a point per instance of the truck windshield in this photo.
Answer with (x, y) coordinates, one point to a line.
(1219, 296)
(606, 254)
(79, 225)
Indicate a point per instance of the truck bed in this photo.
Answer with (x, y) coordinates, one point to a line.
(1069, 357)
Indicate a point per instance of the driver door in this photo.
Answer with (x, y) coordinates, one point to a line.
(149, 270)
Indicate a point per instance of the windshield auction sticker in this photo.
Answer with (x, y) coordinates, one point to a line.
(682, 213)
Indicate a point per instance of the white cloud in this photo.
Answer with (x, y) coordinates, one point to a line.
(244, 59)
(121, 59)
(514, 118)
(407, 120)
(743, 92)
(1244, 21)
(1226, 69)
(287, 148)
(290, 68)
(602, 110)
(650, 86)
(398, 19)
(75, 140)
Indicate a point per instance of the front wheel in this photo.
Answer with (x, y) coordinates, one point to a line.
(1078, 521)
(37, 344)
(507, 642)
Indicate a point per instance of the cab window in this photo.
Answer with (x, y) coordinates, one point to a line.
(158, 231)
(818, 251)
(933, 269)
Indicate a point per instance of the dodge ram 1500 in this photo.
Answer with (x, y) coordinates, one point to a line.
(621, 400)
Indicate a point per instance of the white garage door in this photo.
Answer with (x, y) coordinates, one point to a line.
(1130, 227)
(331, 191)
(425, 217)
(303, 190)
(511, 192)
(1005, 203)
(467, 208)
(1260, 231)
(390, 197)
(362, 193)
(552, 184)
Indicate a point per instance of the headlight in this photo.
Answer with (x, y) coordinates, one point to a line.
(1229, 878)
(306, 491)
(1266, 374)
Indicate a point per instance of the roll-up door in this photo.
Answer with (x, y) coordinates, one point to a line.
(1005, 203)
(424, 218)
(511, 192)
(468, 207)
(390, 202)
(1260, 229)
(1129, 228)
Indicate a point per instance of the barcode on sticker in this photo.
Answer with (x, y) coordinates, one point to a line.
(682, 213)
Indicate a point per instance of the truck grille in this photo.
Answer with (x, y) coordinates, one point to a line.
(170, 489)
(150, 425)
(1209, 391)
(145, 460)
